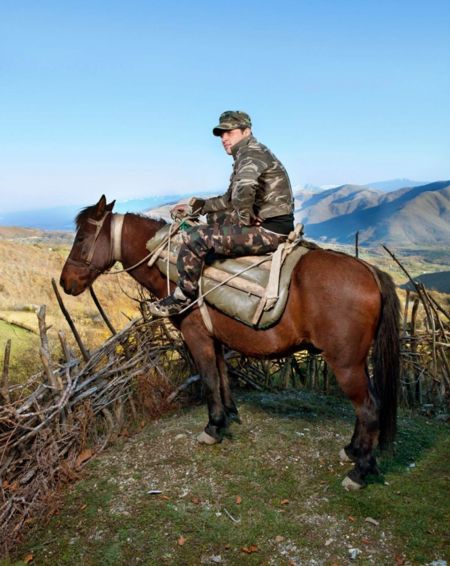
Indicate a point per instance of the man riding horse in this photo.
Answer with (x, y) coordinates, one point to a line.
(253, 217)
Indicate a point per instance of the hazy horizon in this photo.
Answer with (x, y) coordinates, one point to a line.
(171, 194)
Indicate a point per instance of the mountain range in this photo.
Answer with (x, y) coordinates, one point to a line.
(414, 214)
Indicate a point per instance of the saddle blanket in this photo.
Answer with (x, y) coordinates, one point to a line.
(235, 286)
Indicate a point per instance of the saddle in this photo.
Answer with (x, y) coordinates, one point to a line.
(251, 289)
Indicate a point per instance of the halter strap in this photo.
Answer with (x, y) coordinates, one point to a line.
(98, 226)
(116, 236)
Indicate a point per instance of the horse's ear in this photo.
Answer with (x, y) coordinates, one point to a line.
(110, 206)
(100, 208)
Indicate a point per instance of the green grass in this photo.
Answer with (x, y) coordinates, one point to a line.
(24, 358)
(20, 335)
(282, 462)
(415, 503)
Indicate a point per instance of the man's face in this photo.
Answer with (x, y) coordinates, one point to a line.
(232, 137)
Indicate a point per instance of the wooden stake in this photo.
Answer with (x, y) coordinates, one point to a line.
(67, 316)
(5, 375)
(405, 313)
(64, 346)
(415, 377)
(44, 350)
(101, 311)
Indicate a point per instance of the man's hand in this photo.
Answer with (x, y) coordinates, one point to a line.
(180, 211)
(192, 208)
(196, 205)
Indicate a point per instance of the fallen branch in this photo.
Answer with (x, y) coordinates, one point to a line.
(189, 381)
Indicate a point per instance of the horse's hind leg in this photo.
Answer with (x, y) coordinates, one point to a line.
(355, 383)
(350, 452)
(225, 390)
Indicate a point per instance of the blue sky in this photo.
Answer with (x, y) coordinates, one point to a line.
(120, 97)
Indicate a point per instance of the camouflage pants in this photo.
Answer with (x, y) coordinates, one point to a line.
(206, 241)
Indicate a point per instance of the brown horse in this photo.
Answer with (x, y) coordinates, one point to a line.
(338, 306)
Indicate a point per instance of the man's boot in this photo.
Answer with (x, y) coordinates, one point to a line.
(171, 305)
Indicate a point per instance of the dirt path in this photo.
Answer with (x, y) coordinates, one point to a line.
(270, 495)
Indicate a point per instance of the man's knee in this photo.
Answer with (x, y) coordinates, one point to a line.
(198, 240)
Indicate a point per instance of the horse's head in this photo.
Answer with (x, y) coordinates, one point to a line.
(91, 252)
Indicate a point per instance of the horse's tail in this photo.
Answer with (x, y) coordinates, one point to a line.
(386, 360)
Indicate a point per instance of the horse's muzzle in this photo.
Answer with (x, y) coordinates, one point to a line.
(71, 284)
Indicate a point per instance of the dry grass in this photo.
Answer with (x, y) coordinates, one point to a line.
(25, 284)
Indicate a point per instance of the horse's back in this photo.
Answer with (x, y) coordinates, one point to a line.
(329, 269)
(335, 298)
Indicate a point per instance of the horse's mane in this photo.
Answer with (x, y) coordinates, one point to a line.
(89, 211)
(84, 214)
(159, 220)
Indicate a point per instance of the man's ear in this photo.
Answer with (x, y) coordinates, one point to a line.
(247, 132)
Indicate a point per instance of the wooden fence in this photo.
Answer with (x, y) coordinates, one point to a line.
(74, 407)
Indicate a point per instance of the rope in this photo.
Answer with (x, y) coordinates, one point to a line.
(292, 241)
(169, 240)
(173, 228)
(200, 298)
(140, 262)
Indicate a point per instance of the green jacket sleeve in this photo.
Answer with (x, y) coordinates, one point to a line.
(215, 204)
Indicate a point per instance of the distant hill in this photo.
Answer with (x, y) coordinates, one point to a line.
(336, 202)
(394, 184)
(417, 215)
(439, 281)
(35, 236)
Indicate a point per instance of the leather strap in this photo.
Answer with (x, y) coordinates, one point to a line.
(116, 236)
(203, 308)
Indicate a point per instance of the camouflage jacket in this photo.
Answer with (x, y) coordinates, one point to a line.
(259, 185)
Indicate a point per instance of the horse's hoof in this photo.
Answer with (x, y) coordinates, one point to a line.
(205, 438)
(350, 485)
(343, 457)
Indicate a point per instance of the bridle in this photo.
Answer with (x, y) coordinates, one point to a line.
(113, 249)
(115, 246)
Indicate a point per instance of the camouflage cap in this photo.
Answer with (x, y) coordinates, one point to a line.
(232, 119)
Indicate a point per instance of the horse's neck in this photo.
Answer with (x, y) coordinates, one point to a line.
(136, 232)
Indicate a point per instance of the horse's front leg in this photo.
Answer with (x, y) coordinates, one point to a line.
(225, 389)
(203, 352)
